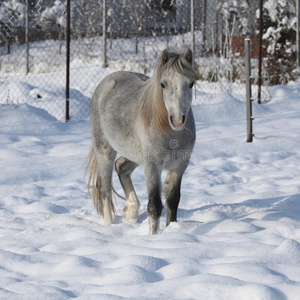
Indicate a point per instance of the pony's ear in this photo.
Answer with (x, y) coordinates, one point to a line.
(188, 55)
(165, 56)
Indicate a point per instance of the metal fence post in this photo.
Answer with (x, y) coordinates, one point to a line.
(204, 27)
(248, 90)
(27, 36)
(260, 50)
(105, 64)
(298, 33)
(68, 61)
(192, 30)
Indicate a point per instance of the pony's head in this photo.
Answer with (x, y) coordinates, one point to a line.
(177, 78)
(167, 97)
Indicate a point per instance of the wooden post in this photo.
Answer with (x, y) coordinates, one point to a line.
(105, 64)
(68, 61)
(248, 90)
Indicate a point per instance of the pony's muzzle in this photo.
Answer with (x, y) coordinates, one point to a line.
(177, 122)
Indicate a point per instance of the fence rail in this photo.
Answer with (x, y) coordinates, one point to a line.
(109, 35)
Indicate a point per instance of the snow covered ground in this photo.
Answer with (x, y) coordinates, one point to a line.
(238, 230)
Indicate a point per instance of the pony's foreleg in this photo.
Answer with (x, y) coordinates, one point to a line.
(153, 181)
(124, 168)
(172, 194)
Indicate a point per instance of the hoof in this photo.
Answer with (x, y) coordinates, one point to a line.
(131, 213)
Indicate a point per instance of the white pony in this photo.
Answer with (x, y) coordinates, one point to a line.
(149, 122)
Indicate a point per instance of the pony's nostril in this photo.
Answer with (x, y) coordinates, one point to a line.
(177, 121)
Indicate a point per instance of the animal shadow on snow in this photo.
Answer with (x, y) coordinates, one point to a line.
(268, 209)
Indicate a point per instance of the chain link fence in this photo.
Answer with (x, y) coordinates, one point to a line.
(130, 35)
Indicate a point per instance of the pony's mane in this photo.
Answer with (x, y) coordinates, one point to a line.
(152, 107)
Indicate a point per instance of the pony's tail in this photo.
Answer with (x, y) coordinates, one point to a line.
(94, 184)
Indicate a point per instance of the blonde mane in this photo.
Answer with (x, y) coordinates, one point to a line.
(152, 108)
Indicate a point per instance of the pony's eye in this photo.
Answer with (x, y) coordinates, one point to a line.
(162, 85)
(191, 85)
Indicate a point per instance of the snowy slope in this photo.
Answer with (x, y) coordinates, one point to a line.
(238, 230)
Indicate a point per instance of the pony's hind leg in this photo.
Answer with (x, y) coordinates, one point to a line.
(105, 159)
(124, 168)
